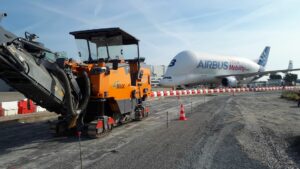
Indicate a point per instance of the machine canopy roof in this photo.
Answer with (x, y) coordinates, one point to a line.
(106, 36)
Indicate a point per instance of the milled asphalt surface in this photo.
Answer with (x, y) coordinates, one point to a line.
(253, 130)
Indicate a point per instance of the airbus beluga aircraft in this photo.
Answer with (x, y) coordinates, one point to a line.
(188, 68)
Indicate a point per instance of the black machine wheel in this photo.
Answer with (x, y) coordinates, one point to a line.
(59, 127)
(110, 127)
(93, 131)
(139, 113)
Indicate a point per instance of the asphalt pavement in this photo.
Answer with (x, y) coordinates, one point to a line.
(251, 130)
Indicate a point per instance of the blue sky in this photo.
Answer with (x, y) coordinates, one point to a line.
(239, 28)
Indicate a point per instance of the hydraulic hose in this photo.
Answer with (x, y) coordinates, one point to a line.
(86, 92)
(68, 92)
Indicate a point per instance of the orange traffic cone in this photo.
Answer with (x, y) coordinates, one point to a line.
(182, 114)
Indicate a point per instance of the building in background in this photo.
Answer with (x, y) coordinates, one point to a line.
(258, 84)
(275, 82)
(157, 72)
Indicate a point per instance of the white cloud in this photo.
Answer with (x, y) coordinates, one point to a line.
(240, 28)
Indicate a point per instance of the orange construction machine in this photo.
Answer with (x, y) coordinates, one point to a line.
(105, 89)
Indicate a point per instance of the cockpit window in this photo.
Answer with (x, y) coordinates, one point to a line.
(172, 63)
(167, 77)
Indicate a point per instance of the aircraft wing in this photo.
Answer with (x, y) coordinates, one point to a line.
(259, 74)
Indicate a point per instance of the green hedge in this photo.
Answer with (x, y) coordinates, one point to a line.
(290, 95)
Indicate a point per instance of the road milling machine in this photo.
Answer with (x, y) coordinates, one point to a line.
(103, 90)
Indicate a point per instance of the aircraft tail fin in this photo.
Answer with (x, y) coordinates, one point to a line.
(263, 59)
(290, 65)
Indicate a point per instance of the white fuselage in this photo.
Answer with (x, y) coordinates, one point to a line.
(189, 68)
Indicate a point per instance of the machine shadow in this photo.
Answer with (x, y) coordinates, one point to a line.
(17, 136)
(294, 148)
(294, 106)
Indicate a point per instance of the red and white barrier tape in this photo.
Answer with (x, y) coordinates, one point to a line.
(14, 107)
(218, 91)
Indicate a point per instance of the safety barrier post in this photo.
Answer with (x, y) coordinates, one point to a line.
(167, 113)
(1, 110)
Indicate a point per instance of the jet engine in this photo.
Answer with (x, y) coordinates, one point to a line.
(229, 81)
